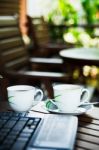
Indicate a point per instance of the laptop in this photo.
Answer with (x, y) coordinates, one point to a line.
(18, 131)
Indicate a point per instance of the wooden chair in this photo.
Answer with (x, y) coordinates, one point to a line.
(9, 7)
(40, 34)
(16, 64)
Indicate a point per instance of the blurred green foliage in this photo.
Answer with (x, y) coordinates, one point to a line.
(66, 14)
(91, 9)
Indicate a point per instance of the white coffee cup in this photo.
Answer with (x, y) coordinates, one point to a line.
(68, 96)
(22, 97)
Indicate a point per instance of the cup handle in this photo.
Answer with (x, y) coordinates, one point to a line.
(38, 98)
(84, 96)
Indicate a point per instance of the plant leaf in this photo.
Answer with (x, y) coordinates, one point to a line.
(10, 97)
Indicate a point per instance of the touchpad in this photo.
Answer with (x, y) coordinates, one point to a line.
(57, 132)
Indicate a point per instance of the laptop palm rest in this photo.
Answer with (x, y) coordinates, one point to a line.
(56, 132)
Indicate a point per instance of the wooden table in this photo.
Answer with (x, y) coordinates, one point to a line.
(78, 57)
(88, 129)
(81, 56)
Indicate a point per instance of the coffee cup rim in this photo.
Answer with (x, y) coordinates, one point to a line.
(66, 86)
(20, 87)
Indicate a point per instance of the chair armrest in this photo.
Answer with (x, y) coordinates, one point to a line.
(41, 76)
(47, 64)
(46, 60)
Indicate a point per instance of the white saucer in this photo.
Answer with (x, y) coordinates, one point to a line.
(41, 107)
(80, 110)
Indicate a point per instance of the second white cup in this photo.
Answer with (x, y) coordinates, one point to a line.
(68, 96)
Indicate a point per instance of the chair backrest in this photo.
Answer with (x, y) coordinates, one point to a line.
(9, 7)
(11, 45)
(40, 30)
(41, 34)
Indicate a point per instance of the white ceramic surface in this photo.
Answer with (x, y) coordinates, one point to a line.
(68, 96)
(79, 111)
(22, 97)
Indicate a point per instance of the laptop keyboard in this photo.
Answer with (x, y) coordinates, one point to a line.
(16, 130)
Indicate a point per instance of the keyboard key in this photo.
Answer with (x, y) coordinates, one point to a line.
(27, 130)
(10, 124)
(23, 134)
(20, 124)
(18, 145)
